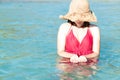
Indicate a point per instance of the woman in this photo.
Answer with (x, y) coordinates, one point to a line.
(78, 40)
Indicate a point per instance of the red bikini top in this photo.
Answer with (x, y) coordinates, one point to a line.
(75, 47)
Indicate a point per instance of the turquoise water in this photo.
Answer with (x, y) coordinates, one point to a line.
(28, 32)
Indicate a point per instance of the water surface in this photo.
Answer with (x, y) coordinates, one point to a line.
(28, 32)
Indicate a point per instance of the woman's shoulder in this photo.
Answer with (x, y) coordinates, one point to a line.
(63, 29)
(94, 27)
(65, 26)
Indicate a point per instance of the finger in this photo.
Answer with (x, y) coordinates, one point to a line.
(74, 61)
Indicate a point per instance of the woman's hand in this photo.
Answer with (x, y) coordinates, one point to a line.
(82, 59)
(74, 59)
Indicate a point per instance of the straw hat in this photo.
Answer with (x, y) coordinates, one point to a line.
(79, 10)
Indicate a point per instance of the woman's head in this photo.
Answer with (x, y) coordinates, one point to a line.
(80, 11)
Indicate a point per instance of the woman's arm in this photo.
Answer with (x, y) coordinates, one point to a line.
(62, 32)
(96, 43)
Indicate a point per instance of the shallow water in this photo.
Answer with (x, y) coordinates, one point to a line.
(28, 32)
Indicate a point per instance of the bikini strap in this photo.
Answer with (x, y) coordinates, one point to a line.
(70, 29)
(89, 31)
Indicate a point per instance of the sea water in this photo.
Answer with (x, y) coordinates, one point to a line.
(28, 35)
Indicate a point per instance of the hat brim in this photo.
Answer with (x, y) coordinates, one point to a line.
(89, 17)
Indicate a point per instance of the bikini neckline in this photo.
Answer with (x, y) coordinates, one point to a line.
(83, 37)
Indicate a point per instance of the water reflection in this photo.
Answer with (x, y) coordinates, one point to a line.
(71, 71)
